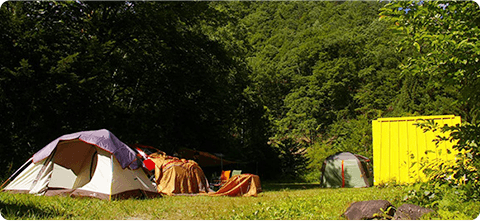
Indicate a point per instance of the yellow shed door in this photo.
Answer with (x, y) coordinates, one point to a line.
(399, 142)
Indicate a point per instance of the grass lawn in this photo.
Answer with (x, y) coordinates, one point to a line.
(276, 202)
(300, 201)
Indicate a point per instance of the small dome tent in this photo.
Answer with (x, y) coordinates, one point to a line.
(345, 169)
(88, 163)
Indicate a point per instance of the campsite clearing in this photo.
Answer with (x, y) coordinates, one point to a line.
(278, 201)
(300, 201)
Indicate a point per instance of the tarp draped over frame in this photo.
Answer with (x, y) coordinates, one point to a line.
(178, 176)
(240, 185)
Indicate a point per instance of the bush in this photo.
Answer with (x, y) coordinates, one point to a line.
(452, 186)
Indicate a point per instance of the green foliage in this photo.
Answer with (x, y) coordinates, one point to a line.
(322, 70)
(273, 84)
(442, 38)
(292, 162)
(318, 153)
(451, 185)
(151, 72)
(465, 171)
(310, 82)
(440, 77)
(353, 136)
(449, 202)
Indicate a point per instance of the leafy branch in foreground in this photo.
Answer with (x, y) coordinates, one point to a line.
(442, 39)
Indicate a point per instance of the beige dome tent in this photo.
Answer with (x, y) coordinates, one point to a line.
(89, 163)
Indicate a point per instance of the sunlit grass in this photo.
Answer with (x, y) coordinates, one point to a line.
(286, 202)
(276, 203)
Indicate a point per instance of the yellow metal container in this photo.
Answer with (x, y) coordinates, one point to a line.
(400, 146)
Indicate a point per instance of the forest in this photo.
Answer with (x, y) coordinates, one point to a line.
(276, 85)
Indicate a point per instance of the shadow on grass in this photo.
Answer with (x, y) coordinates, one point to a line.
(289, 186)
(21, 211)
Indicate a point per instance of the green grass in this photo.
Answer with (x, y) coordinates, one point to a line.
(292, 202)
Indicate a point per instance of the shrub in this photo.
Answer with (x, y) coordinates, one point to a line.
(452, 186)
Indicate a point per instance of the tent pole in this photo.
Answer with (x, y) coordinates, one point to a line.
(15, 172)
(111, 181)
(343, 176)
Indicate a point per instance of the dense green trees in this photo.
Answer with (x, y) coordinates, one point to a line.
(444, 39)
(146, 71)
(317, 67)
(272, 84)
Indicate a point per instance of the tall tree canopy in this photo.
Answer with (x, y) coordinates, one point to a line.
(148, 71)
(443, 39)
(316, 67)
(278, 85)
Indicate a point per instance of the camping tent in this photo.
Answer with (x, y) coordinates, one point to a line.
(89, 163)
(346, 170)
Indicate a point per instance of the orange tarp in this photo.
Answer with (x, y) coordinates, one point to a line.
(240, 185)
(178, 176)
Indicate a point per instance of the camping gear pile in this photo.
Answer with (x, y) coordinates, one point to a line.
(240, 185)
(178, 176)
(97, 164)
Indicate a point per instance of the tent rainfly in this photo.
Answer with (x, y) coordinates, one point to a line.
(89, 163)
(346, 170)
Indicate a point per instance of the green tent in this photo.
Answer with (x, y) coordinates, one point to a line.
(345, 169)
